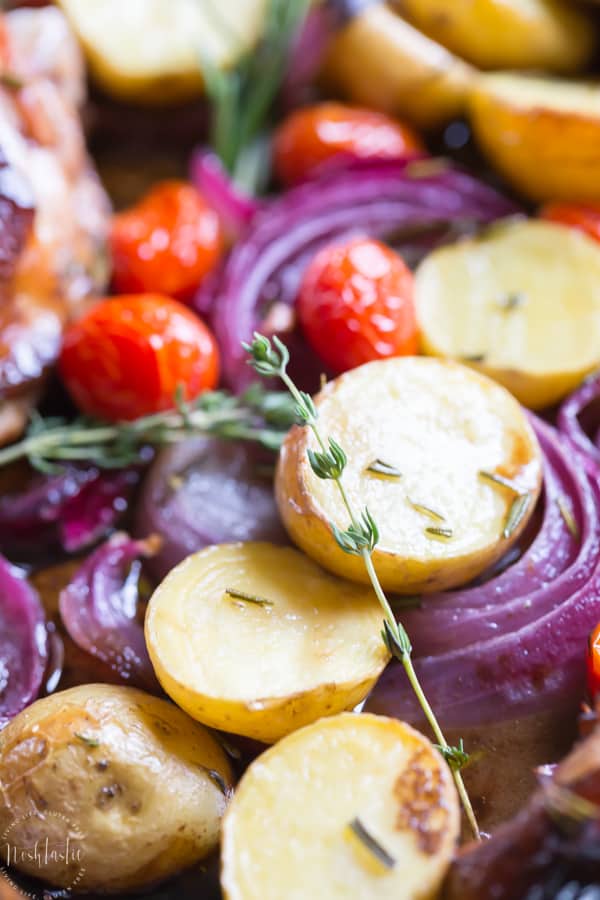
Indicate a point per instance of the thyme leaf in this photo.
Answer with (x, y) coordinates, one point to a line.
(456, 757)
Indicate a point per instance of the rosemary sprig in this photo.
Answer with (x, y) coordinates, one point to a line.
(236, 594)
(270, 358)
(257, 415)
(380, 467)
(242, 97)
(371, 844)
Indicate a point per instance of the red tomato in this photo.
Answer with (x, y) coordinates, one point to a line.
(165, 243)
(128, 355)
(356, 304)
(314, 134)
(593, 663)
(584, 216)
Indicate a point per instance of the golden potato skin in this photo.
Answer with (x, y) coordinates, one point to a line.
(256, 671)
(544, 347)
(381, 61)
(354, 417)
(546, 152)
(507, 34)
(131, 772)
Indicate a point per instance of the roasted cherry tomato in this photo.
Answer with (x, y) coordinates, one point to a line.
(313, 135)
(128, 355)
(165, 243)
(584, 216)
(356, 304)
(593, 663)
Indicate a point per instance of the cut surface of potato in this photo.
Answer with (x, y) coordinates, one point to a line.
(287, 832)
(137, 787)
(542, 134)
(381, 61)
(522, 302)
(257, 640)
(437, 424)
(507, 34)
(150, 50)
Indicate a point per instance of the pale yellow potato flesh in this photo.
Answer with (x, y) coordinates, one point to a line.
(541, 134)
(543, 346)
(262, 669)
(507, 34)
(137, 786)
(380, 61)
(439, 424)
(150, 51)
(286, 833)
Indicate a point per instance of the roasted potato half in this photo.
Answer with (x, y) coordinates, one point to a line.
(127, 781)
(507, 34)
(542, 134)
(419, 432)
(149, 51)
(357, 806)
(257, 640)
(521, 303)
(381, 61)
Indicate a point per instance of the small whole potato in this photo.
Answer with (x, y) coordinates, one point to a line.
(105, 788)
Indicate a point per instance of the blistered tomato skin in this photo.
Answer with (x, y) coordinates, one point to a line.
(356, 304)
(584, 216)
(165, 243)
(128, 355)
(315, 134)
(593, 664)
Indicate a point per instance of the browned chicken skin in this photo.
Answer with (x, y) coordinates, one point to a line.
(53, 210)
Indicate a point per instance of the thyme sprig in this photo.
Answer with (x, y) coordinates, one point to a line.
(258, 415)
(270, 358)
(242, 97)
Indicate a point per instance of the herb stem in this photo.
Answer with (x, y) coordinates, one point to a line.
(271, 359)
(259, 416)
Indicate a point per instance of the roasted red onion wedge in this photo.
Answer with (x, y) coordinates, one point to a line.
(413, 205)
(512, 645)
(70, 510)
(23, 642)
(206, 491)
(99, 608)
(579, 422)
(550, 850)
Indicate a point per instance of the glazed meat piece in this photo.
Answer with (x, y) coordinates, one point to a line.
(53, 210)
(550, 849)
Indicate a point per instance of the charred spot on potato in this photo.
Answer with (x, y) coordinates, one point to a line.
(419, 791)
